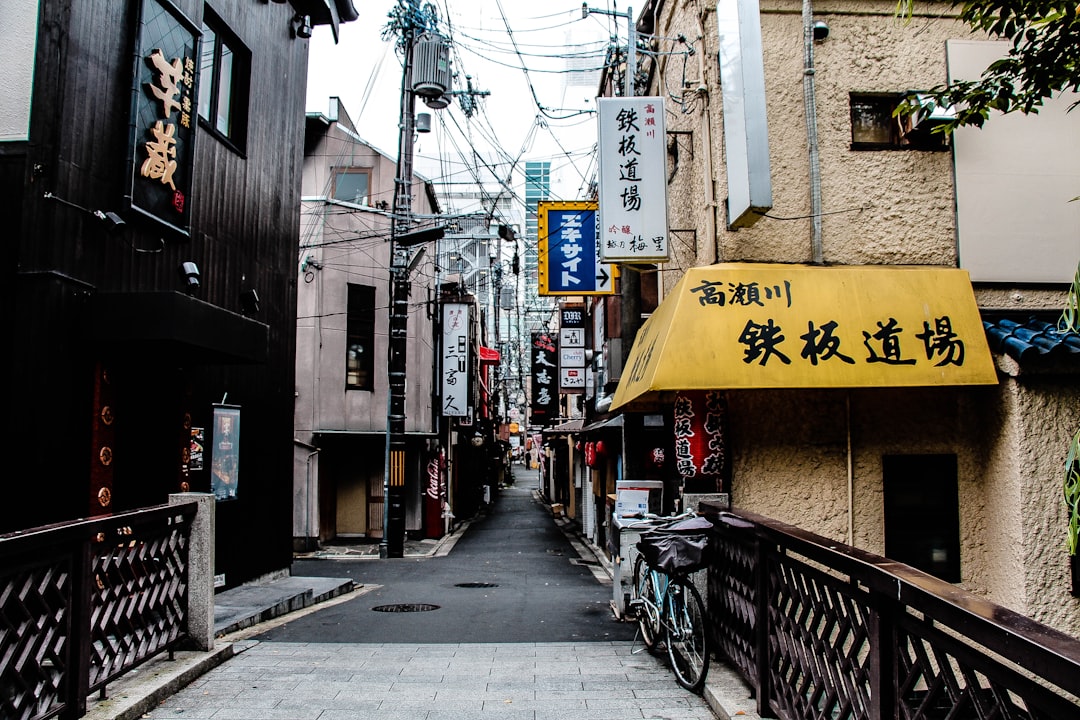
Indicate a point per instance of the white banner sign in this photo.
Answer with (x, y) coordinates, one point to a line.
(455, 360)
(633, 180)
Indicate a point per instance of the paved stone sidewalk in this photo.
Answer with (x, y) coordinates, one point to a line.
(518, 681)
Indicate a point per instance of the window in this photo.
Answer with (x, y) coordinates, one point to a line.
(922, 513)
(874, 127)
(360, 341)
(224, 71)
(352, 185)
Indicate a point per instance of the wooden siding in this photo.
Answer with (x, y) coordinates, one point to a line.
(245, 221)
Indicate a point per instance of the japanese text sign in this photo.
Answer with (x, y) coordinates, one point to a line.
(455, 360)
(544, 405)
(633, 180)
(163, 118)
(787, 326)
(569, 256)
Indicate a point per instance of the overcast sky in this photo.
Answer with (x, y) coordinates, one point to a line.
(365, 72)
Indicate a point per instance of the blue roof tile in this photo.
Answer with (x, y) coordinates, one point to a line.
(1031, 339)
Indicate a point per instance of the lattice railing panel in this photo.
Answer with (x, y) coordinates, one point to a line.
(732, 602)
(138, 598)
(941, 677)
(35, 602)
(818, 644)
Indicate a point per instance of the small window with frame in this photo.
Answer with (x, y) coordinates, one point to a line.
(352, 185)
(875, 124)
(360, 342)
(224, 79)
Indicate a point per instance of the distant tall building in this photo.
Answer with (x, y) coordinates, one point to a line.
(537, 188)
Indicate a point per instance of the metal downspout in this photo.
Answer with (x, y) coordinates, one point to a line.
(810, 104)
(707, 250)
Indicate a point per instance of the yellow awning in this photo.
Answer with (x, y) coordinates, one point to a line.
(738, 325)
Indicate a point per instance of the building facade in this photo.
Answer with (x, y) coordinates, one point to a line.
(809, 168)
(343, 274)
(151, 155)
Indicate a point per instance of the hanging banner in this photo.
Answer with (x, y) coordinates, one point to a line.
(701, 455)
(633, 180)
(161, 150)
(569, 259)
(455, 360)
(225, 453)
(572, 348)
(544, 404)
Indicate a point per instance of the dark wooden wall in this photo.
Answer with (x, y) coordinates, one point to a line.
(245, 225)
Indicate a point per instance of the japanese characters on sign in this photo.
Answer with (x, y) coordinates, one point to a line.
(700, 420)
(163, 117)
(786, 326)
(544, 403)
(455, 360)
(572, 348)
(633, 180)
(569, 257)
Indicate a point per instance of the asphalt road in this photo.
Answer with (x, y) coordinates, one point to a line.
(513, 577)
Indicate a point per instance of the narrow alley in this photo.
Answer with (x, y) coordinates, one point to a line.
(512, 623)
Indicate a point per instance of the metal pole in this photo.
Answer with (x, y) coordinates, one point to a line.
(629, 278)
(393, 539)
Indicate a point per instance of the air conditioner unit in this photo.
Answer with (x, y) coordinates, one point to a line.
(929, 115)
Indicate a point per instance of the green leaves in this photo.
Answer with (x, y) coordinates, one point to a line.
(1044, 58)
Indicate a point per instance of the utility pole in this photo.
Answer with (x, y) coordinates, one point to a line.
(392, 544)
(629, 278)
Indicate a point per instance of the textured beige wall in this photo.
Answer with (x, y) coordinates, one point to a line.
(790, 448)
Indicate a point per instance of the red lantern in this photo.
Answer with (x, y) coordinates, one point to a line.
(700, 421)
(601, 449)
(590, 454)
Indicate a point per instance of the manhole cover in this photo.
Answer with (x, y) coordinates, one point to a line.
(477, 585)
(406, 607)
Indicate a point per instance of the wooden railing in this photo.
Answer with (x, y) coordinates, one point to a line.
(81, 603)
(820, 630)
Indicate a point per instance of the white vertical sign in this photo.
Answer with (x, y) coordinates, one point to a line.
(633, 180)
(455, 360)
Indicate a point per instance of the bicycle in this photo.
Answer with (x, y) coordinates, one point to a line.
(664, 597)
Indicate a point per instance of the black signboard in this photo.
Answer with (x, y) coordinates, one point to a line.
(163, 116)
(545, 378)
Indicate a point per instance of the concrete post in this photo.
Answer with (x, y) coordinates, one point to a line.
(200, 609)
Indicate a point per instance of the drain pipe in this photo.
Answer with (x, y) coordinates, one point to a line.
(850, 474)
(708, 254)
(810, 103)
(307, 486)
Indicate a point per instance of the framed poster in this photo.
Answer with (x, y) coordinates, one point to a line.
(225, 452)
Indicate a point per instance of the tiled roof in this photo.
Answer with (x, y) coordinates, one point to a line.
(1031, 339)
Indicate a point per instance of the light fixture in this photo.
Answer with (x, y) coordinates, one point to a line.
(112, 222)
(249, 301)
(189, 271)
(821, 31)
(301, 26)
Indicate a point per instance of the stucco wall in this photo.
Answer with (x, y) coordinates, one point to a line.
(790, 448)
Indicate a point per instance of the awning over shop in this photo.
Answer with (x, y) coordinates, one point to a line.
(175, 326)
(743, 326)
(565, 428)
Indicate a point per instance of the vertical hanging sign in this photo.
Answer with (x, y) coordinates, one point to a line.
(545, 392)
(633, 180)
(162, 144)
(455, 360)
(569, 255)
(572, 348)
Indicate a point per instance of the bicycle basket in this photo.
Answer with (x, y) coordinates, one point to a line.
(679, 548)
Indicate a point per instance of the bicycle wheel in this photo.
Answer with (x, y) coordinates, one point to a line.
(687, 635)
(644, 600)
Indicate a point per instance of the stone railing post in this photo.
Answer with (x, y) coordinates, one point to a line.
(200, 609)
